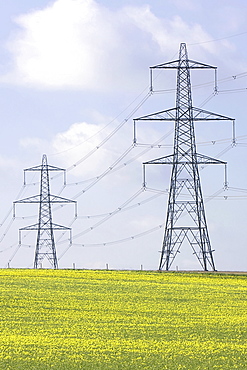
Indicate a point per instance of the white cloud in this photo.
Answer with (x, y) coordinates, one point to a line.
(170, 32)
(72, 145)
(81, 44)
(80, 140)
(61, 45)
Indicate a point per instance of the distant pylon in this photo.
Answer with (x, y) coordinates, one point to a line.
(185, 194)
(45, 246)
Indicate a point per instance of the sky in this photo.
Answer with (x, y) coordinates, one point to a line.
(73, 76)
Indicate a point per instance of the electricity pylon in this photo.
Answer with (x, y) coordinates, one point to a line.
(185, 193)
(45, 245)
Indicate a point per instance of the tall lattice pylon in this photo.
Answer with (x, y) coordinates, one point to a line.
(45, 245)
(185, 193)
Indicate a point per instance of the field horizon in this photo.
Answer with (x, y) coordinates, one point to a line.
(189, 271)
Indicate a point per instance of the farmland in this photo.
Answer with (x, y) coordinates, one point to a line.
(81, 319)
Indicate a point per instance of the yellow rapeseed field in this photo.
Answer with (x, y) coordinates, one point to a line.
(80, 319)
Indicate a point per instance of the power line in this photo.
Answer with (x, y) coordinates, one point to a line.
(135, 236)
(103, 174)
(219, 39)
(240, 75)
(136, 205)
(144, 233)
(109, 123)
(117, 210)
(108, 137)
(215, 196)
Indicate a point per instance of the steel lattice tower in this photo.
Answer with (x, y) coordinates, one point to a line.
(45, 245)
(185, 193)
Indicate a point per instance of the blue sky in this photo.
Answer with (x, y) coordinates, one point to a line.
(74, 72)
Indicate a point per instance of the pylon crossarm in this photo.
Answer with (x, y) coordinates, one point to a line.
(200, 159)
(32, 199)
(30, 227)
(50, 199)
(204, 115)
(168, 159)
(192, 64)
(57, 199)
(60, 227)
(35, 168)
(48, 166)
(37, 226)
(204, 159)
(164, 115)
(172, 64)
(197, 115)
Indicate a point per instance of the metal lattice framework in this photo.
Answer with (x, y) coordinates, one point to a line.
(45, 246)
(185, 194)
